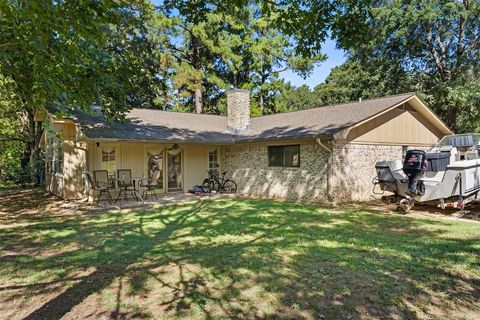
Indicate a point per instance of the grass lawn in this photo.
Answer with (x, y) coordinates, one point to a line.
(217, 259)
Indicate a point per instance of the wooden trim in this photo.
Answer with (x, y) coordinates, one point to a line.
(386, 143)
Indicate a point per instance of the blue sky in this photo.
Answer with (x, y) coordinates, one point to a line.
(335, 57)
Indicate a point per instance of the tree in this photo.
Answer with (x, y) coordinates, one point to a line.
(295, 99)
(186, 21)
(355, 80)
(56, 53)
(230, 46)
(436, 41)
(143, 69)
(253, 53)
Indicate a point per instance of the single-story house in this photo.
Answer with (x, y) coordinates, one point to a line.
(325, 153)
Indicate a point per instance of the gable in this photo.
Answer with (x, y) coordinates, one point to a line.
(400, 126)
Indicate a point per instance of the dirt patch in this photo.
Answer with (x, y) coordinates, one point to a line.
(471, 213)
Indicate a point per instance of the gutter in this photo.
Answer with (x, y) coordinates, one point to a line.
(329, 168)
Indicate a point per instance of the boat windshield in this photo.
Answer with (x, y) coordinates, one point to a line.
(460, 140)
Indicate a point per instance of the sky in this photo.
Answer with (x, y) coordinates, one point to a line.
(335, 57)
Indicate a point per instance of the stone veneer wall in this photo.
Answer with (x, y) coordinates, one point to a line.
(354, 169)
(238, 110)
(248, 166)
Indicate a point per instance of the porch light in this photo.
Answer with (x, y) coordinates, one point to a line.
(174, 150)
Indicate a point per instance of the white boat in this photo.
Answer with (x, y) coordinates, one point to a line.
(447, 175)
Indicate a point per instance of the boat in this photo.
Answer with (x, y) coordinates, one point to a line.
(448, 175)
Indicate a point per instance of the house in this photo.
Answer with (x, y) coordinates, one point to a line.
(321, 154)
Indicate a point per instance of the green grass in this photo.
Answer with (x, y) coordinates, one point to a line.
(239, 259)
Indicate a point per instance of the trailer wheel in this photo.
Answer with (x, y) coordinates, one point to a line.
(404, 206)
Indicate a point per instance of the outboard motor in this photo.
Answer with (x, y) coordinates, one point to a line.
(414, 165)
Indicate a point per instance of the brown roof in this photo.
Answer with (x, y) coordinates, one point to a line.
(320, 121)
(157, 125)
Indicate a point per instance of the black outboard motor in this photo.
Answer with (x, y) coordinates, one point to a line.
(414, 165)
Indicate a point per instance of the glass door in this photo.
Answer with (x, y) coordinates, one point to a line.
(174, 170)
(155, 170)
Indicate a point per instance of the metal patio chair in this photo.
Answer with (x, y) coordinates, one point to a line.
(149, 186)
(99, 187)
(126, 184)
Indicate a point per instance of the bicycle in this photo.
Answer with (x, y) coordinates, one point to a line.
(219, 184)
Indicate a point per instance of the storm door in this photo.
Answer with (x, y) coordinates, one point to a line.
(155, 169)
(174, 170)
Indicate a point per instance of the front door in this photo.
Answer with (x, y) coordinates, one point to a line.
(174, 170)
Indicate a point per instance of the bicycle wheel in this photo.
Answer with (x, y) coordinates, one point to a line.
(207, 186)
(229, 186)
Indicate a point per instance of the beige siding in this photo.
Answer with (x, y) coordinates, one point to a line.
(74, 166)
(195, 165)
(134, 156)
(130, 156)
(54, 184)
(69, 185)
(397, 127)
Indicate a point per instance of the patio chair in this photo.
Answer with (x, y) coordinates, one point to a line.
(126, 184)
(149, 186)
(99, 187)
(101, 179)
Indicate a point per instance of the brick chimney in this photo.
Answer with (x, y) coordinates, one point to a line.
(238, 110)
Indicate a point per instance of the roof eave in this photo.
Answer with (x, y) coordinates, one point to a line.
(178, 141)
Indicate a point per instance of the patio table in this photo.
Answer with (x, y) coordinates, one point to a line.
(124, 185)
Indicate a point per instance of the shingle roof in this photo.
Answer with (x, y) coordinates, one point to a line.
(320, 121)
(157, 125)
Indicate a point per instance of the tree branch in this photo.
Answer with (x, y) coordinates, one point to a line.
(14, 139)
(461, 35)
(9, 44)
(434, 52)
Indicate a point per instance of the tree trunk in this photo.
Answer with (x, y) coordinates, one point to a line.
(30, 160)
(196, 63)
(198, 99)
(452, 118)
(261, 102)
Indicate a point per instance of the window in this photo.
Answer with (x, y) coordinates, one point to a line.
(108, 160)
(59, 156)
(213, 160)
(54, 154)
(284, 156)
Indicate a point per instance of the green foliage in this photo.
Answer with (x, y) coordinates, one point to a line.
(294, 99)
(362, 80)
(67, 55)
(230, 46)
(137, 63)
(12, 136)
(437, 43)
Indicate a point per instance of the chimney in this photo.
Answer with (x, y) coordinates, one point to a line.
(238, 110)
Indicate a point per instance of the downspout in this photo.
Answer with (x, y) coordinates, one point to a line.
(329, 168)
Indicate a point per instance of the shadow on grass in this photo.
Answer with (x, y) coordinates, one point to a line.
(311, 261)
